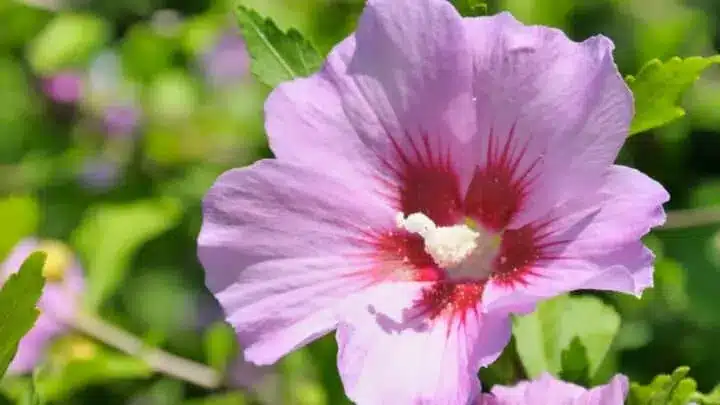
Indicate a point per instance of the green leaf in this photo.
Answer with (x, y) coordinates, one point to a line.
(506, 370)
(220, 345)
(658, 86)
(470, 8)
(574, 363)
(18, 298)
(109, 235)
(277, 56)
(33, 397)
(164, 392)
(234, 398)
(19, 216)
(299, 376)
(67, 41)
(675, 389)
(542, 336)
(712, 398)
(22, 390)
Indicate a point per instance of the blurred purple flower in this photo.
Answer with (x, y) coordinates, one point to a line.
(99, 174)
(228, 62)
(549, 390)
(66, 87)
(63, 287)
(121, 120)
(243, 374)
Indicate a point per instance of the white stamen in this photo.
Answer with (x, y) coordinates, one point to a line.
(449, 246)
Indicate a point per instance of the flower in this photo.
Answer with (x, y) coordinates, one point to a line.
(548, 390)
(65, 87)
(121, 119)
(98, 173)
(64, 284)
(437, 174)
(228, 62)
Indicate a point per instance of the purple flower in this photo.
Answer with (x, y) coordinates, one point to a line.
(64, 87)
(64, 285)
(121, 119)
(548, 390)
(228, 62)
(99, 174)
(437, 174)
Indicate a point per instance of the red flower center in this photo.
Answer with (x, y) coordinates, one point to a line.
(425, 182)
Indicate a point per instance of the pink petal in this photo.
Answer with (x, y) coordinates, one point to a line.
(387, 85)
(390, 353)
(306, 123)
(596, 241)
(546, 389)
(550, 389)
(282, 245)
(32, 347)
(613, 393)
(560, 106)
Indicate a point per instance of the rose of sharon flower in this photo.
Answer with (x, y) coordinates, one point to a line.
(546, 390)
(64, 285)
(436, 174)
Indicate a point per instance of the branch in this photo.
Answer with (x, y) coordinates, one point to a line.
(161, 361)
(692, 217)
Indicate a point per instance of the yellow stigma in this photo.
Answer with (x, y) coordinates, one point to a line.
(59, 258)
(83, 349)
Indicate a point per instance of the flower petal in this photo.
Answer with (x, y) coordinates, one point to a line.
(548, 389)
(391, 353)
(306, 123)
(613, 393)
(33, 345)
(281, 245)
(560, 108)
(595, 243)
(387, 86)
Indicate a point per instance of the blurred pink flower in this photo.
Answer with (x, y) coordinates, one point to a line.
(228, 61)
(437, 174)
(64, 286)
(99, 173)
(121, 119)
(548, 390)
(66, 87)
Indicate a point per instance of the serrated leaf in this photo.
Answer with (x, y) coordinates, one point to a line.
(674, 389)
(109, 235)
(470, 8)
(18, 297)
(658, 86)
(277, 56)
(19, 216)
(712, 398)
(543, 335)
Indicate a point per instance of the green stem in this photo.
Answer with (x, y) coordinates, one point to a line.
(159, 360)
(692, 217)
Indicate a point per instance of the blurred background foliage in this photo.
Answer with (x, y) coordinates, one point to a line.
(117, 116)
